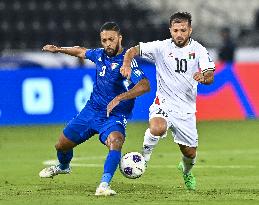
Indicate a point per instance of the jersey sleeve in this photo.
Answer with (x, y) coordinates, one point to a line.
(92, 54)
(205, 61)
(149, 50)
(136, 74)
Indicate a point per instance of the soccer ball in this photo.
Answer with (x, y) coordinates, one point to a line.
(132, 165)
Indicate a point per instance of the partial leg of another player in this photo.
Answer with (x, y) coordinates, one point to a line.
(114, 142)
(64, 149)
(187, 163)
(157, 128)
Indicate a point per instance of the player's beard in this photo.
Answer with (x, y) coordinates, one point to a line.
(112, 52)
(182, 43)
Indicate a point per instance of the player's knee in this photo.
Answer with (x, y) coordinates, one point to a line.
(64, 144)
(158, 127)
(116, 142)
(59, 147)
(62, 147)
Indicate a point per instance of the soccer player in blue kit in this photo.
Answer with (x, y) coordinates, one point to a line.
(108, 109)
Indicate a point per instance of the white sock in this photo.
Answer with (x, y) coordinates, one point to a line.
(188, 163)
(149, 143)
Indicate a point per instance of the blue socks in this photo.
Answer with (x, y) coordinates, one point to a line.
(64, 158)
(110, 165)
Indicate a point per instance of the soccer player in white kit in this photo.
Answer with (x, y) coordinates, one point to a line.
(181, 63)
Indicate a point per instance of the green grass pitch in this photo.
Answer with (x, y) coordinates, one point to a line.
(227, 169)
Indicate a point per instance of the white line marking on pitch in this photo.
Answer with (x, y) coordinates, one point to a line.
(54, 162)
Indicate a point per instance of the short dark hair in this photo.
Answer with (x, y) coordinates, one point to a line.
(110, 26)
(178, 17)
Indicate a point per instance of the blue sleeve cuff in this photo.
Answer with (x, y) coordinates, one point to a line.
(137, 75)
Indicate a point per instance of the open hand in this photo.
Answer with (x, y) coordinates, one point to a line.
(50, 48)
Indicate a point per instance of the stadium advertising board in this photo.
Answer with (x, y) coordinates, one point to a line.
(35, 96)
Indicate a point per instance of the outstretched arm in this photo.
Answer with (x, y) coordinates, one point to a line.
(73, 51)
(139, 89)
(129, 55)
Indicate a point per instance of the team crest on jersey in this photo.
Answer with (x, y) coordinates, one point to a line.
(191, 56)
(114, 65)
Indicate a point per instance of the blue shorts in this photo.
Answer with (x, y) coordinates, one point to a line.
(90, 122)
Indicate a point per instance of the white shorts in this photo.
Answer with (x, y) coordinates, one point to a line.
(182, 125)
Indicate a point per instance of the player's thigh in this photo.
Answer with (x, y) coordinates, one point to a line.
(80, 128)
(79, 131)
(184, 129)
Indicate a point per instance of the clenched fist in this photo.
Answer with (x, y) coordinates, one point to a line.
(199, 77)
(125, 71)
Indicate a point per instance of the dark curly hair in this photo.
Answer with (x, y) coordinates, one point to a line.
(179, 17)
(110, 26)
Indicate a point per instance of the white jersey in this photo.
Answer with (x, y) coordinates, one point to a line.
(175, 68)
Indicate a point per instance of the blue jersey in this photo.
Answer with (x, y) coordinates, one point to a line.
(110, 83)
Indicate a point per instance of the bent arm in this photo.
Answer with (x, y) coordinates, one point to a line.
(129, 55)
(73, 51)
(140, 88)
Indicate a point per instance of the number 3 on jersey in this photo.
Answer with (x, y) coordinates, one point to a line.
(102, 73)
(181, 65)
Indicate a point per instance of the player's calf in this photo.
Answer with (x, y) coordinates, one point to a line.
(149, 143)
